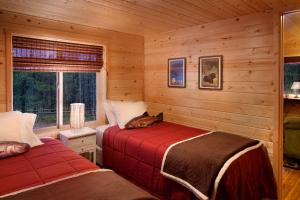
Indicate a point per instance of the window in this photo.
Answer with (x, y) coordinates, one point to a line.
(35, 92)
(48, 76)
(80, 87)
(291, 73)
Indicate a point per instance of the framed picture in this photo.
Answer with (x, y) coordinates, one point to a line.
(210, 72)
(176, 72)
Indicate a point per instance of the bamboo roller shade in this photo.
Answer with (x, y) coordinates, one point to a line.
(39, 55)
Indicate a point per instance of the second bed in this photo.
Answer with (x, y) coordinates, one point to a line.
(137, 154)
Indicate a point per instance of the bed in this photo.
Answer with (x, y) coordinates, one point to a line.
(53, 171)
(137, 155)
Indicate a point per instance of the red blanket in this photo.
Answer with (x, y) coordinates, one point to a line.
(41, 164)
(137, 154)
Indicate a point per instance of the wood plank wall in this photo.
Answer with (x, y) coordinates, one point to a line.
(125, 52)
(247, 104)
(2, 72)
(292, 34)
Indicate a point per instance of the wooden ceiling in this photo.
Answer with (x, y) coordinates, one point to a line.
(143, 17)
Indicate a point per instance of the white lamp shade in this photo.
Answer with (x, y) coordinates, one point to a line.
(296, 86)
(77, 115)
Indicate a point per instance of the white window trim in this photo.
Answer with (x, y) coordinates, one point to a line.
(60, 99)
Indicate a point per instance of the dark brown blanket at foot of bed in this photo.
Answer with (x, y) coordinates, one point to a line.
(196, 162)
(103, 185)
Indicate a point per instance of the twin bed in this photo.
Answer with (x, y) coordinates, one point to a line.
(137, 155)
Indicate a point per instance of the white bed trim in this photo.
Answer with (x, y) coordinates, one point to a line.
(198, 193)
(52, 182)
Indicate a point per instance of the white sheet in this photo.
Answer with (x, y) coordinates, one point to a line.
(99, 138)
(99, 134)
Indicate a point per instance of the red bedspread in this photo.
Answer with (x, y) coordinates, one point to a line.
(41, 164)
(137, 154)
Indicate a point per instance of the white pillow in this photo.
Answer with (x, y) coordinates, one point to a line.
(27, 134)
(109, 113)
(127, 110)
(11, 126)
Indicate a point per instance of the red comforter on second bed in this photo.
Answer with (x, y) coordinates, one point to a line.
(137, 154)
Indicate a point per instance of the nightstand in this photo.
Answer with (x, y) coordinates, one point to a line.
(80, 140)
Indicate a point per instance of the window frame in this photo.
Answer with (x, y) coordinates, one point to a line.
(60, 100)
(101, 89)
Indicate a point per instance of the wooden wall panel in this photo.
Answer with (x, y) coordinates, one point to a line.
(291, 107)
(292, 34)
(2, 72)
(124, 52)
(247, 103)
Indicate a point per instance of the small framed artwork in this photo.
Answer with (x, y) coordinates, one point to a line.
(177, 72)
(210, 72)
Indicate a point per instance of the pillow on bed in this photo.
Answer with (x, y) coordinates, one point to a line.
(27, 134)
(144, 121)
(109, 113)
(127, 110)
(8, 149)
(11, 126)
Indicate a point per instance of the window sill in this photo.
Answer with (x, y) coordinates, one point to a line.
(53, 131)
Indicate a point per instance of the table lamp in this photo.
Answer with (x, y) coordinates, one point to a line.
(77, 115)
(296, 87)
